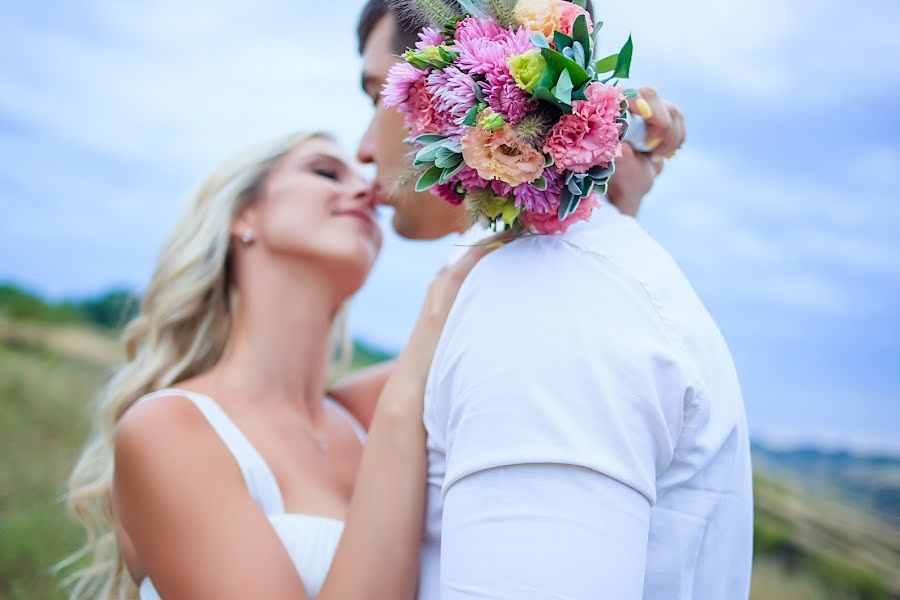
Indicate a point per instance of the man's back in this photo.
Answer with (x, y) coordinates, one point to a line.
(587, 436)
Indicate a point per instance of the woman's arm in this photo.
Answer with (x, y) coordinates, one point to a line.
(359, 392)
(183, 502)
(378, 557)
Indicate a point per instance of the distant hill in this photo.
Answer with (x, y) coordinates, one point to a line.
(869, 481)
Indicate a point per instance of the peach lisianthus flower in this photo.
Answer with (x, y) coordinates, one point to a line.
(500, 154)
(541, 16)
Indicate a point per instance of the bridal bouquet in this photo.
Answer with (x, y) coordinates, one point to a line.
(509, 112)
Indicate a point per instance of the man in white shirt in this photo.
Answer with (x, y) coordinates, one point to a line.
(586, 433)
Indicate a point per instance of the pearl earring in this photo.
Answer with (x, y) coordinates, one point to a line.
(247, 237)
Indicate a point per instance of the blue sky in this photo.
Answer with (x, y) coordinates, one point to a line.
(782, 208)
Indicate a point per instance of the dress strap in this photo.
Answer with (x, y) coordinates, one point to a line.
(258, 476)
(354, 422)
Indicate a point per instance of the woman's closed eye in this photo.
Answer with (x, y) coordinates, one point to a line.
(328, 173)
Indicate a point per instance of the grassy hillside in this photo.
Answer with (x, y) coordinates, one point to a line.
(808, 545)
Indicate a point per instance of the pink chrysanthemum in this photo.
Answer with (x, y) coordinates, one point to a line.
(400, 80)
(505, 97)
(472, 28)
(429, 36)
(533, 200)
(483, 49)
(470, 179)
(447, 191)
(454, 94)
(550, 223)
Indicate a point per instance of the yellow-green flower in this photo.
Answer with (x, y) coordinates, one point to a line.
(527, 69)
(491, 120)
(486, 204)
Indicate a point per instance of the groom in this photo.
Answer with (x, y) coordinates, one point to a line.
(586, 432)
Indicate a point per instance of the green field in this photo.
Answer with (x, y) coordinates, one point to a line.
(807, 546)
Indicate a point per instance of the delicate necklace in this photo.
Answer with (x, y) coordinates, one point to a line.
(318, 438)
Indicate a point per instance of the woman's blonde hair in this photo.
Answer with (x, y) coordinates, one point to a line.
(181, 331)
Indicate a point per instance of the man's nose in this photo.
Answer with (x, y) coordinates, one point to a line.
(365, 153)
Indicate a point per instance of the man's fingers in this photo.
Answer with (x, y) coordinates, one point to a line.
(674, 135)
(650, 106)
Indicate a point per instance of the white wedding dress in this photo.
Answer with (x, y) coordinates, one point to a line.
(310, 541)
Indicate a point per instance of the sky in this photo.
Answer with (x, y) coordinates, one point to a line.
(783, 207)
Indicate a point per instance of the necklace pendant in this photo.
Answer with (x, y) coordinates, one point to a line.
(322, 445)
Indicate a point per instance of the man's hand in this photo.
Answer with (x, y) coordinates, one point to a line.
(635, 172)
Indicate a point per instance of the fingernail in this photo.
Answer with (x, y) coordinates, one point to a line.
(644, 108)
(672, 153)
(494, 245)
(653, 144)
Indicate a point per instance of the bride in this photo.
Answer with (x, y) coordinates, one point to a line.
(221, 469)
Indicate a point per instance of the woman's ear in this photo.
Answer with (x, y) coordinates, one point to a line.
(243, 227)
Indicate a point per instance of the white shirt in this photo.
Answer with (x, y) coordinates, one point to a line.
(586, 432)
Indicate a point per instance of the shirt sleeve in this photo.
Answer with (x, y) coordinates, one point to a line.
(559, 416)
(543, 532)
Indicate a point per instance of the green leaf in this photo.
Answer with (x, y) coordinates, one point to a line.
(563, 89)
(429, 178)
(578, 54)
(548, 160)
(543, 94)
(540, 41)
(428, 138)
(428, 153)
(479, 93)
(630, 93)
(568, 203)
(578, 94)
(581, 34)
(562, 40)
(472, 115)
(447, 158)
(623, 64)
(607, 64)
(597, 27)
(540, 183)
(581, 3)
(451, 171)
(560, 63)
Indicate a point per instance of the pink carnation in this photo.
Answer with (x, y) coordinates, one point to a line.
(422, 116)
(589, 136)
(454, 94)
(568, 12)
(429, 36)
(603, 103)
(400, 80)
(550, 223)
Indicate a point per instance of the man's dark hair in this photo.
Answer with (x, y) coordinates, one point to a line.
(405, 33)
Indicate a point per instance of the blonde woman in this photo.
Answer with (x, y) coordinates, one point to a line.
(221, 469)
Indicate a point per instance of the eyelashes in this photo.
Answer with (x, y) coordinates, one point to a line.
(327, 173)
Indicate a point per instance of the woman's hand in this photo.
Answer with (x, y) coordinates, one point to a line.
(417, 355)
